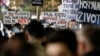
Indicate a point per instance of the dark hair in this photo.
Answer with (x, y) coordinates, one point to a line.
(19, 36)
(17, 25)
(50, 24)
(65, 36)
(35, 28)
(73, 20)
(9, 27)
(48, 31)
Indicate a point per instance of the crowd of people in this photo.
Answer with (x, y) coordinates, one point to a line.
(35, 40)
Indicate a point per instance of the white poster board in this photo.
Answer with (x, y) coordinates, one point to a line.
(12, 17)
(54, 17)
(70, 7)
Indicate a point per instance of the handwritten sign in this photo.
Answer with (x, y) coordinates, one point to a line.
(54, 17)
(12, 17)
(70, 7)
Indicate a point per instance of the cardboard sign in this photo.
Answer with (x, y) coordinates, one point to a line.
(12, 17)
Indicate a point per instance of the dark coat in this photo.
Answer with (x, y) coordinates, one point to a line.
(93, 53)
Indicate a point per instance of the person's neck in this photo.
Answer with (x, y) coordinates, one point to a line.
(34, 40)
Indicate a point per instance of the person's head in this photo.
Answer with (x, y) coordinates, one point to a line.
(18, 46)
(16, 28)
(16, 42)
(61, 43)
(48, 31)
(93, 40)
(84, 36)
(9, 27)
(17, 25)
(34, 30)
(72, 24)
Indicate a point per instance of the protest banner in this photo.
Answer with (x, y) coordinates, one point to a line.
(70, 7)
(82, 10)
(89, 11)
(54, 17)
(13, 17)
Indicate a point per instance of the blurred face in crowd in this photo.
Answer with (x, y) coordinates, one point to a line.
(84, 45)
(57, 49)
(72, 24)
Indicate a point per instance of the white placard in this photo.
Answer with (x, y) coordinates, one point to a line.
(70, 7)
(12, 17)
(54, 17)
